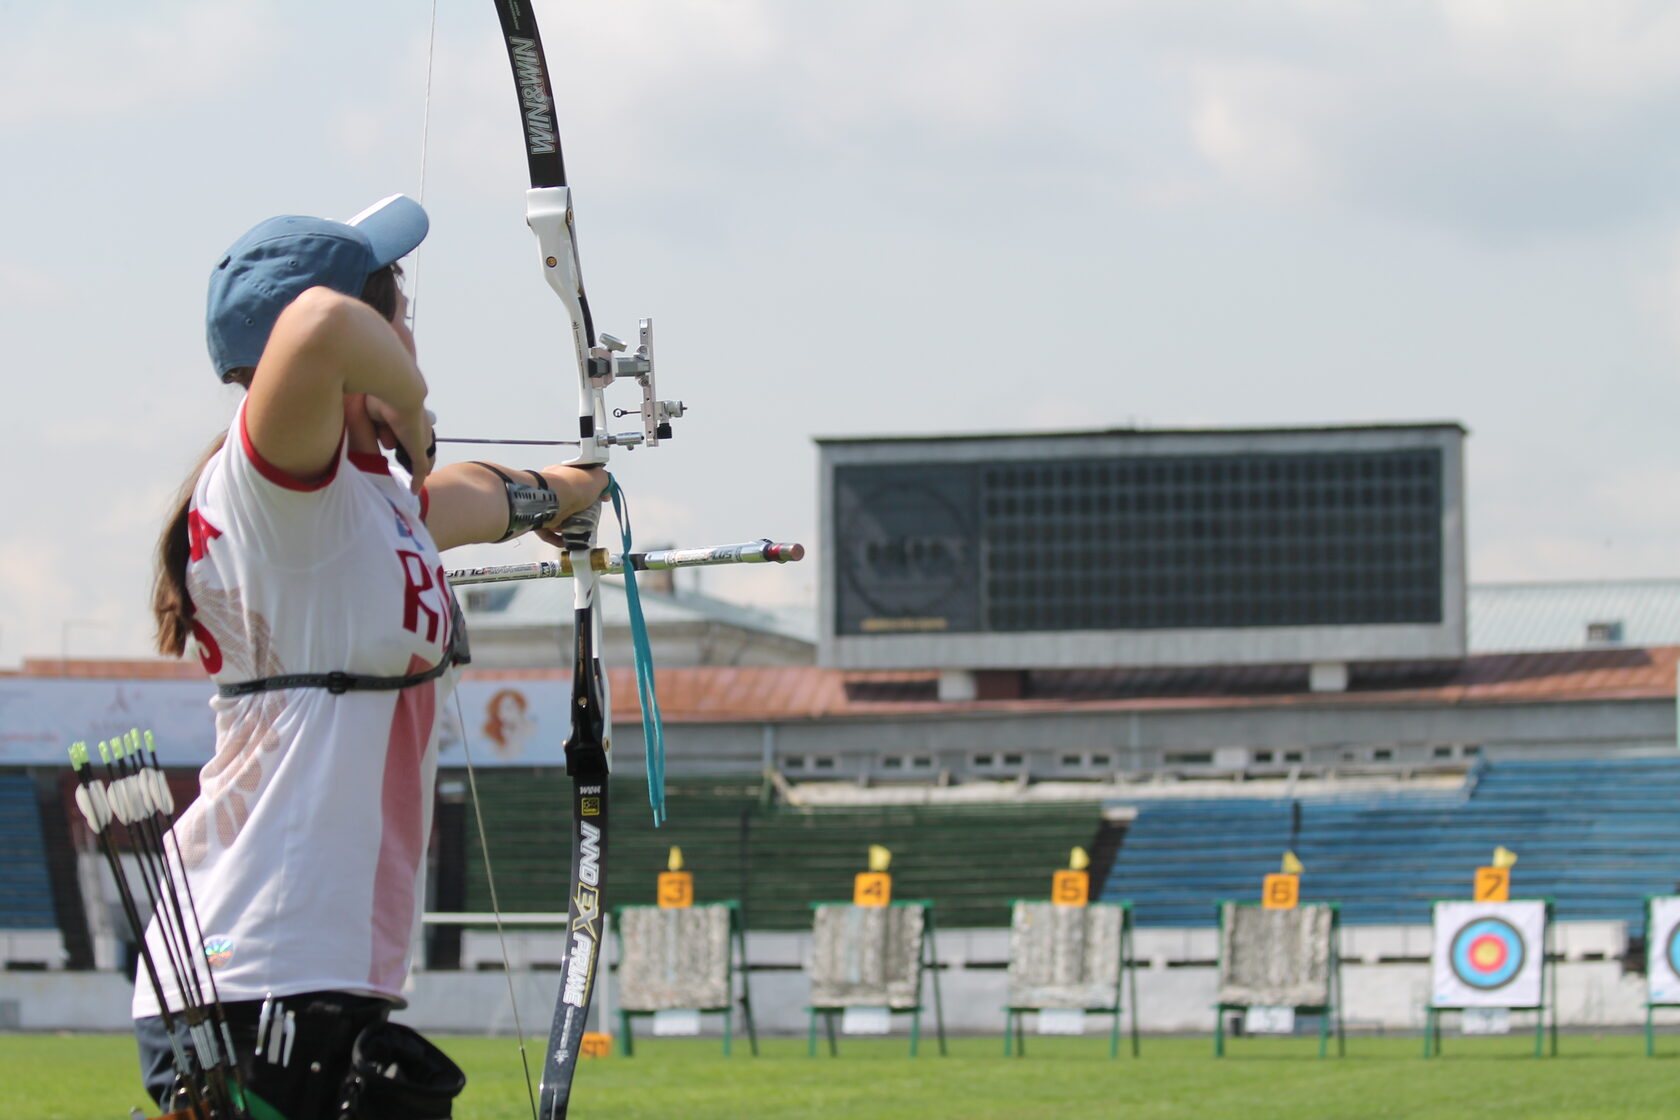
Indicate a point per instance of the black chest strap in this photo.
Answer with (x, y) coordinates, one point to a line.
(338, 681)
(334, 682)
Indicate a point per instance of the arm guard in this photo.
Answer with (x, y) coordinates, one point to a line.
(529, 507)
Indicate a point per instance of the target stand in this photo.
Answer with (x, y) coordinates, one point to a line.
(691, 959)
(1069, 959)
(1662, 961)
(867, 959)
(1492, 956)
(1281, 960)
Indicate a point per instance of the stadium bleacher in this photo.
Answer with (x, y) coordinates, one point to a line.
(971, 860)
(1595, 836)
(26, 899)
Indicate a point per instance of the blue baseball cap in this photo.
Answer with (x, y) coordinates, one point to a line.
(279, 259)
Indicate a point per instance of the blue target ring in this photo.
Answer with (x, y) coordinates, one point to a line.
(1674, 949)
(1488, 953)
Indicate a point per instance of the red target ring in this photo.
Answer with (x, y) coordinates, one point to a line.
(1487, 953)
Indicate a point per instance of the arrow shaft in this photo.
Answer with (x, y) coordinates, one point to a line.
(603, 562)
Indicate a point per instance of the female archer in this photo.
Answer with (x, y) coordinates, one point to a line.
(304, 571)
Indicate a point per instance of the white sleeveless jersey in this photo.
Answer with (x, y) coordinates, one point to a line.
(306, 847)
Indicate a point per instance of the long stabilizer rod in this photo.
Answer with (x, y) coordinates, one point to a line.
(605, 563)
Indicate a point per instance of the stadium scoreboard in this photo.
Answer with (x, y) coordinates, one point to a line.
(1143, 547)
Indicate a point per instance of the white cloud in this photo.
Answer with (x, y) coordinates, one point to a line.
(26, 285)
(1260, 124)
(1642, 498)
(1489, 117)
(70, 69)
(1557, 556)
(1659, 292)
(1584, 57)
(48, 607)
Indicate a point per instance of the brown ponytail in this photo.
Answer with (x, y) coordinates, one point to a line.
(171, 605)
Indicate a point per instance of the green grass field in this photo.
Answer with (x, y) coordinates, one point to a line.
(84, 1077)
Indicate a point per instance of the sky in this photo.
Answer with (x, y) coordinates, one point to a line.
(883, 217)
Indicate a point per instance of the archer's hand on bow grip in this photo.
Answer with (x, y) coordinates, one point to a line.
(581, 491)
(577, 532)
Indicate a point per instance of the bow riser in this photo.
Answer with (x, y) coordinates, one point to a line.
(548, 211)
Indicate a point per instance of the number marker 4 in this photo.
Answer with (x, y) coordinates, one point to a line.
(872, 888)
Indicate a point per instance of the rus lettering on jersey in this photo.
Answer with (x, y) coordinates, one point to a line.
(200, 532)
(418, 580)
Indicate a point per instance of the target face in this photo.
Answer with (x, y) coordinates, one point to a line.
(1488, 953)
(1662, 932)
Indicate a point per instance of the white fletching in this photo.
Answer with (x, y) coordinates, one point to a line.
(162, 799)
(144, 795)
(122, 801)
(90, 799)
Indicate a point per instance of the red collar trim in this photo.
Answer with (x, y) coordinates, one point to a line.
(370, 461)
(277, 476)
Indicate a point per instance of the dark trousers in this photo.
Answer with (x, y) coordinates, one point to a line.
(325, 1026)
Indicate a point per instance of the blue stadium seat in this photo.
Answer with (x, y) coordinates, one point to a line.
(1595, 836)
(25, 890)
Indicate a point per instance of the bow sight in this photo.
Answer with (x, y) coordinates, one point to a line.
(605, 366)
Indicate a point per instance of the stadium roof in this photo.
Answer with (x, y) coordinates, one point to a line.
(1148, 432)
(781, 693)
(1508, 617)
